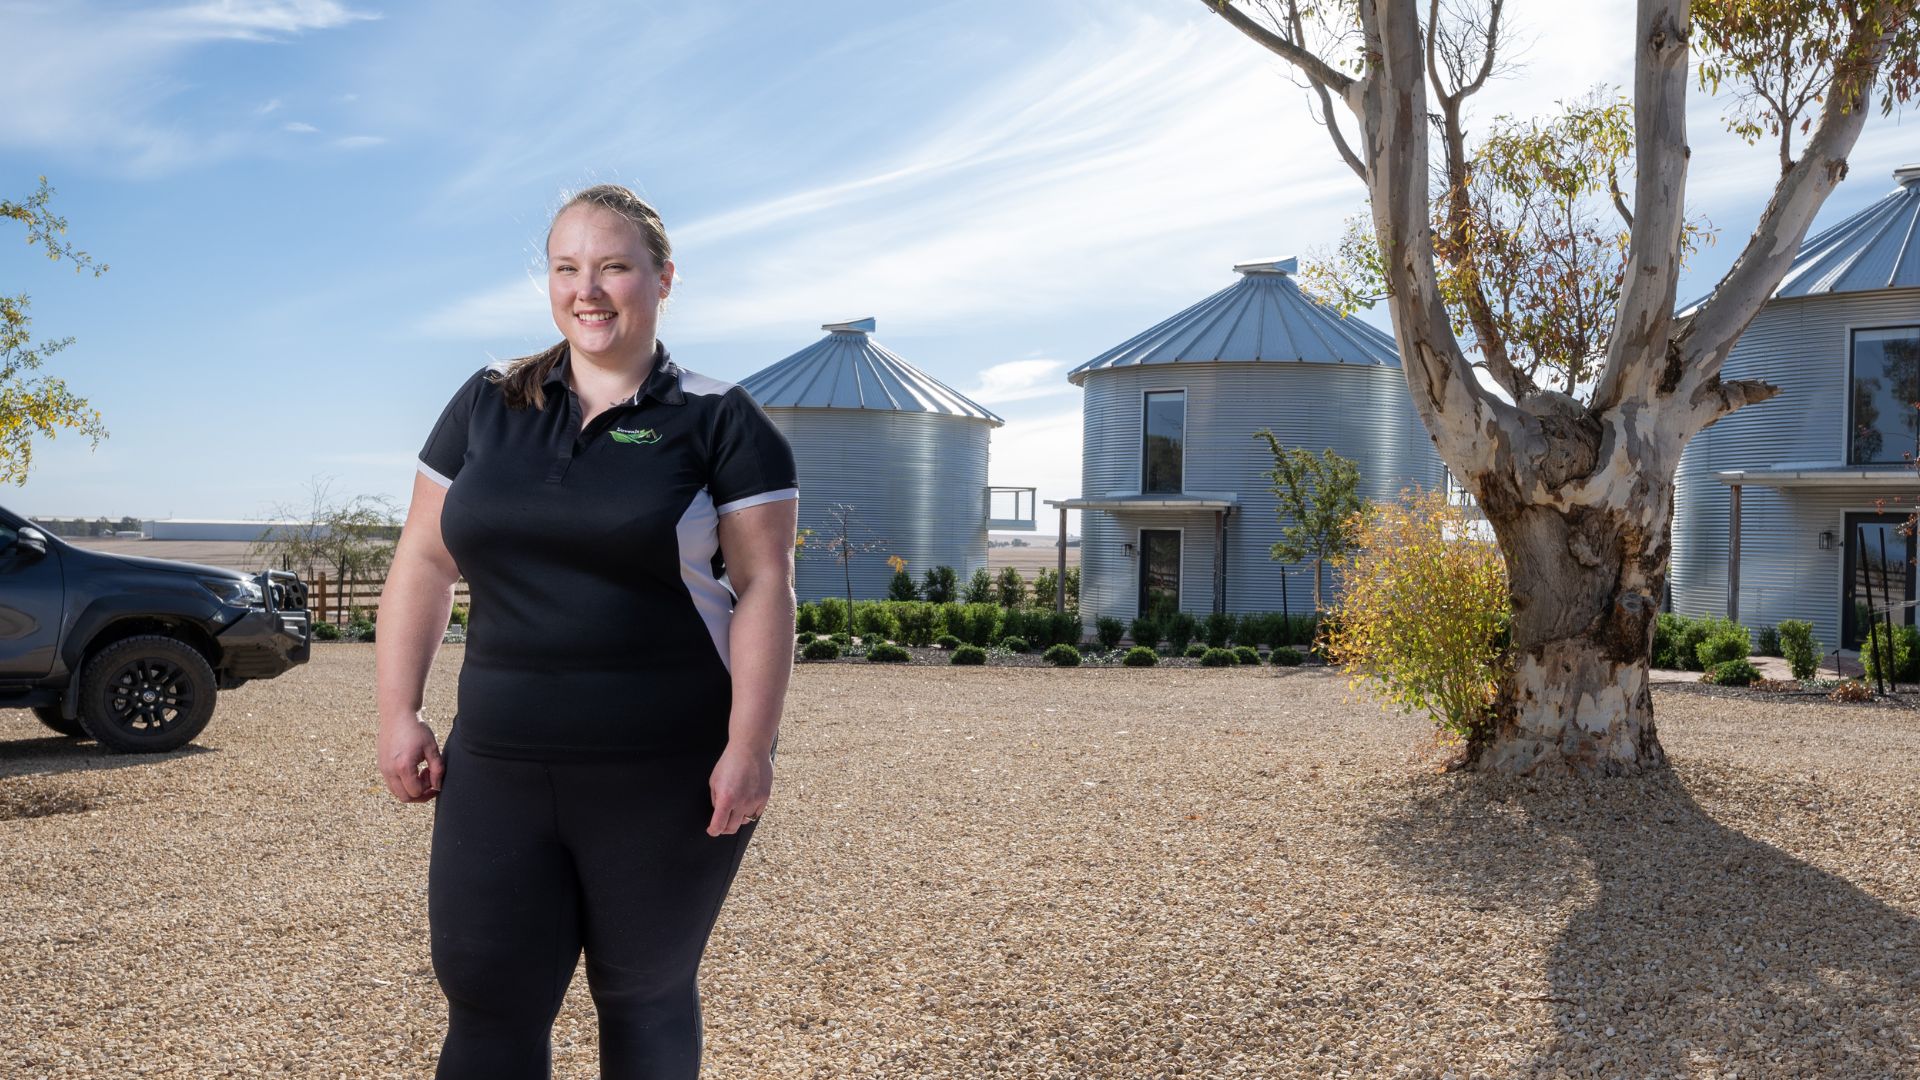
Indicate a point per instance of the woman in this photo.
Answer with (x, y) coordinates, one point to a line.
(627, 529)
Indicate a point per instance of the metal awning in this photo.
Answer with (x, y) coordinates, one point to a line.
(1895, 478)
(1192, 500)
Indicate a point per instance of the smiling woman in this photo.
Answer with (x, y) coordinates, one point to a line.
(626, 527)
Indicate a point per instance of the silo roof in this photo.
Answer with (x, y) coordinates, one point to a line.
(1263, 318)
(1877, 248)
(847, 369)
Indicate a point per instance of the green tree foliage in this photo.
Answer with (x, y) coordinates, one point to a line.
(940, 586)
(979, 587)
(1010, 588)
(1531, 247)
(37, 405)
(1423, 614)
(1318, 495)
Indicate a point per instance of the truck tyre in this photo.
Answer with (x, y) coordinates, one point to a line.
(146, 694)
(50, 716)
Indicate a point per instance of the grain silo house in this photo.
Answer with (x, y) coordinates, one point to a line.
(1175, 509)
(1772, 503)
(908, 453)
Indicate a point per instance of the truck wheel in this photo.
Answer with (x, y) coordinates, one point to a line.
(50, 716)
(146, 694)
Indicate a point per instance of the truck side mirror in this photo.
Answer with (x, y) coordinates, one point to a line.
(32, 539)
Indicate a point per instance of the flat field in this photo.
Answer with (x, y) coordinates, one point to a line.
(1024, 873)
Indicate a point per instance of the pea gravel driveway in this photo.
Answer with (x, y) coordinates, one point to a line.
(1023, 873)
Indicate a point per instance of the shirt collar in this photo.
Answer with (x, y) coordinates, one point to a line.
(663, 384)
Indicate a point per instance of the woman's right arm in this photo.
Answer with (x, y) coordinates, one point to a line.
(414, 607)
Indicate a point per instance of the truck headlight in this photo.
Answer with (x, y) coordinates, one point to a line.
(235, 592)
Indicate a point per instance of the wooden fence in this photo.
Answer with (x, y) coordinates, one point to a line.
(336, 601)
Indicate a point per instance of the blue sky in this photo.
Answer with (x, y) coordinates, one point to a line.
(322, 216)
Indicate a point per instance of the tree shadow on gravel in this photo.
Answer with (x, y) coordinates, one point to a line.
(58, 754)
(1688, 947)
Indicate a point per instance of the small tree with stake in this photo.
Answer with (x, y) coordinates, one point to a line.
(353, 536)
(847, 540)
(1318, 496)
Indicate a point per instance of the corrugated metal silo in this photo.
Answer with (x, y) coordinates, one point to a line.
(908, 453)
(1826, 455)
(1257, 354)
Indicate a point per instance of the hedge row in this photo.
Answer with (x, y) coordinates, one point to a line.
(918, 622)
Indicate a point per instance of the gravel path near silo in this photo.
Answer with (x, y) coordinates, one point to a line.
(1025, 873)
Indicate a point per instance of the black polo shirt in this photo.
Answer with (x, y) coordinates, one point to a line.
(601, 605)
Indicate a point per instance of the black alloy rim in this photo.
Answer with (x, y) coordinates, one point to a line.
(149, 695)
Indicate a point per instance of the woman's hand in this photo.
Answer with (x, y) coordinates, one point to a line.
(403, 744)
(741, 782)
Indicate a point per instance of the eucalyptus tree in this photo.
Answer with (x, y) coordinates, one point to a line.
(1571, 455)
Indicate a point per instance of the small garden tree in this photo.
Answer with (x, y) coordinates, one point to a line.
(1423, 615)
(901, 587)
(1318, 496)
(940, 585)
(1010, 588)
(848, 539)
(980, 587)
(352, 537)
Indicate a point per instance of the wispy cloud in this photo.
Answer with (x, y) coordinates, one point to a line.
(82, 77)
(1020, 380)
(299, 127)
(1146, 152)
(359, 142)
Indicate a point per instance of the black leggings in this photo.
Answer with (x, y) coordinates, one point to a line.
(533, 862)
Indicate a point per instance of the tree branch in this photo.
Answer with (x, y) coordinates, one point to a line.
(1802, 190)
(1462, 416)
(1643, 322)
(1322, 73)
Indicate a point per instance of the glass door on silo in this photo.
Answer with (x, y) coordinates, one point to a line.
(1877, 574)
(1159, 572)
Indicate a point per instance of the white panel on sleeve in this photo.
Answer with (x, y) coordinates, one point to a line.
(755, 500)
(699, 538)
(433, 474)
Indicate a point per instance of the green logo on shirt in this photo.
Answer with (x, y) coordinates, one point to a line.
(645, 436)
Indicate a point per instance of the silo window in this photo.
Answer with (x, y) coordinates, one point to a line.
(1885, 425)
(1165, 436)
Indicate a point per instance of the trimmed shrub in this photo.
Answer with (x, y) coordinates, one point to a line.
(1217, 630)
(1285, 657)
(1145, 631)
(1064, 627)
(821, 649)
(1666, 640)
(1799, 647)
(1906, 654)
(360, 630)
(1108, 631)
(969, 655)
(1062, 656)
(1194, 651)
(948, 641)
(1739, 672)
(803, 639)
(1010, 588)
(1140, 656)
(842, 639)
(1246, 654)
(981, 624)
(1014, 644)
(916, 621)
(884, 653)
(832, 616)
(1723, 645)
(940, 586)
(979, 587)
(1422, 611)
(804, 618)
(458, 614)
(1769, 644)
(1217, 658)
(326, 631)
(1179, 629)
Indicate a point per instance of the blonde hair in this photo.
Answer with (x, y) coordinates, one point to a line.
(521, 379)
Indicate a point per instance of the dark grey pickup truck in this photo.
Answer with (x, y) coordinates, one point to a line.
(132, 651)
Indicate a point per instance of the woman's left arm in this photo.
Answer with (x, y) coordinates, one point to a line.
(756, 543)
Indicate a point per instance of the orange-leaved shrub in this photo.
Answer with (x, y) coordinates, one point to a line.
(1422, 616)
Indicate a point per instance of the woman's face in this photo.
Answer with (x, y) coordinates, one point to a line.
(604, 286)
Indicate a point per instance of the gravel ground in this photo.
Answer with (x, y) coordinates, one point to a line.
(1027, 874)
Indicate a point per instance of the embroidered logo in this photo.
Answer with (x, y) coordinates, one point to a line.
(645, 436)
